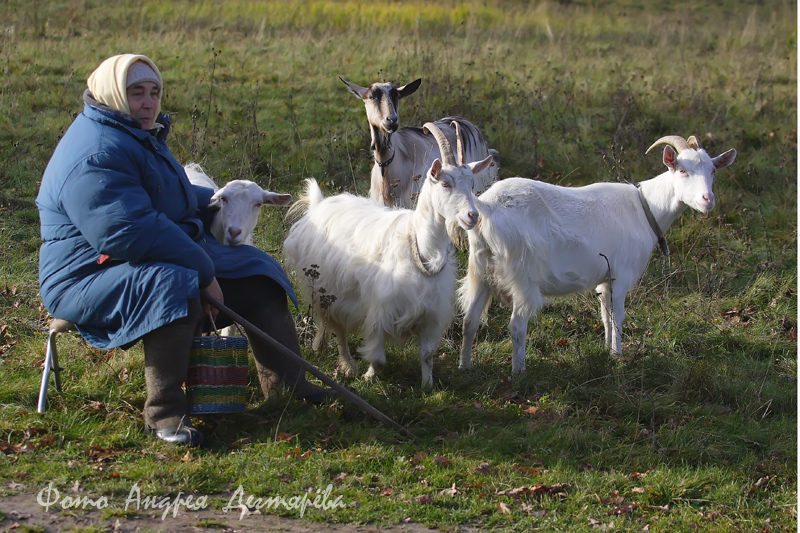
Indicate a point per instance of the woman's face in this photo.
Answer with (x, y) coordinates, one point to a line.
(143, 99)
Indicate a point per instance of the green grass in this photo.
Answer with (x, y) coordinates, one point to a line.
(696, 429)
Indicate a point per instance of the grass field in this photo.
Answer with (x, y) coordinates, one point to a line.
(696, 429)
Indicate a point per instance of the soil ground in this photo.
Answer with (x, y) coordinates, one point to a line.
(21, 511)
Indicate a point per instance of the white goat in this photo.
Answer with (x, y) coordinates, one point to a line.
(382, 271)
(237, 206)
(536, 240)
(403, 156)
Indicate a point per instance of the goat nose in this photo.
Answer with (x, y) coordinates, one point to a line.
(234, 232)
(473, 217)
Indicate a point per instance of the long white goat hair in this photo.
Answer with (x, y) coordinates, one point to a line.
(402, 156)
(237, 206)
(386, 273)
(537, 240)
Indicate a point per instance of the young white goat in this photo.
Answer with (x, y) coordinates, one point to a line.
(403, 156)
(381, 271)
(536, 240)
(237, 206)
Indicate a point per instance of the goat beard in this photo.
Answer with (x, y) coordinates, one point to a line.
(457, 234)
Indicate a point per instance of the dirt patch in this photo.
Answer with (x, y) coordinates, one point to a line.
(23, 510)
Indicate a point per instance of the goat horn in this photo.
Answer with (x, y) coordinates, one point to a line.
(692, 140)
(676, 141)
(459, 142)
(441, 140)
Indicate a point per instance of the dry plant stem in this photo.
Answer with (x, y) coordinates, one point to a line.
(326, 379)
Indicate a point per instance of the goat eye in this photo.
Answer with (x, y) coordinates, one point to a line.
(445, 185)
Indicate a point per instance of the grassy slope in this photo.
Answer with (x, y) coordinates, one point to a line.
(698, 429)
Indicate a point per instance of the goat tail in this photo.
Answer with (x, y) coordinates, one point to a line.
(307, 201)
(468, 290)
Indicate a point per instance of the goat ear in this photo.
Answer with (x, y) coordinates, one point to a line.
(480, 166)
(435, 170)
(670, 157)
(214, 204)
(273, 198)
(357, 90)
(723, 160)
(409, 88)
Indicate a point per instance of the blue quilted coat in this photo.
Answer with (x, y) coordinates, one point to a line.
(112, 189)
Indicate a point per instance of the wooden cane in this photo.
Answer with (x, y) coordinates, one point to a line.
(326, 379)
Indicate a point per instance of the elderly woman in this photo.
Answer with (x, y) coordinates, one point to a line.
(126, 255)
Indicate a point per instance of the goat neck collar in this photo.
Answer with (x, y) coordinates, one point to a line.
(384, 164)
(662, 241)
(420, 262)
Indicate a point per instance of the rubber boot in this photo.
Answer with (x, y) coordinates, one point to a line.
(166, 363)
(262, 301)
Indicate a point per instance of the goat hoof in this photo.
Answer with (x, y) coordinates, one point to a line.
(347, 369)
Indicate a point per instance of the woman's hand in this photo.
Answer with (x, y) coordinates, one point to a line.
(214, 291)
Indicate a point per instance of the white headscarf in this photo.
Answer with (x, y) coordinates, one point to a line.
(108, 83)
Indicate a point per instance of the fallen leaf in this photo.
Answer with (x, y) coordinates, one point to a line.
(424, 499)
(624, 509)
(532, 410)
(637, 490)
(530, 471)
(284, 437)
(418, 457)
(94, 406)
(235, 445)
(656, 507)
(483, 468)
(442, 461)
(34, 431)
(101, 455)
(452, 491)
(387, 491)
(503, 508)
(762, 481)
(341, 477)
(47, 440)
(615, 499)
